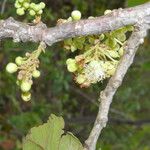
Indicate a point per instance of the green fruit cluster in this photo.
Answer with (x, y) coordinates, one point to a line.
(26, 5)
(27, 70)
(96, 56)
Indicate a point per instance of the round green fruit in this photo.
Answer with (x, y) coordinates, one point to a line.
(80, 79)
(42, 5)
(11, 68)
(20, 11)
(40, 12)
(107, 12)
(69, 19)
(26, 96)
(17, 5)
(32, 12)
(20, 1)
(72, 67)
(91, 17)
(76, 15)
(36, 74)
(37, 7)
(25, 86)
(32, 5)
(26, 5)
(70, 61)
(19, 60)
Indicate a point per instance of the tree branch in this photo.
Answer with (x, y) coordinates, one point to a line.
(118, 18)
(94, 102)
(106, 96)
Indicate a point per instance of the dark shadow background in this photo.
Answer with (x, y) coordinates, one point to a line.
(55, 92)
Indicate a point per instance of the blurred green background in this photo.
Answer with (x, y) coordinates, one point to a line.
(55, 92)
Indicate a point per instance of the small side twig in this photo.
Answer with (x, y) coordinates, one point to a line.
(106, 96)
(116, 121)
(94, 102)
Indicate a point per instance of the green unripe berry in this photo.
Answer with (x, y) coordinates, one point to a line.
(19, 60)
(42, 5)
(91, 17)
(76, 15)
(32, 12)
(40, 12)
(37, 7)
(26, 5)
(70, 61)
(32, 5)
(20, 11)
(17, 5)
(80, 79)
(107, 12)
(69, 19)
(11, 68)
(72, 67)
(26, 96)
(20, 1)
(25, 86)
(36, 74)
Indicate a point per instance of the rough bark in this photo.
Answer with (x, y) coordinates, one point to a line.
(118, 18)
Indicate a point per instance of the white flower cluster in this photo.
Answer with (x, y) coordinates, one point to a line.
(94, 72)
(96, 56)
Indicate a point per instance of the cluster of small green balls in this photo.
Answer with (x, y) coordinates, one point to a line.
(96, 56)
(24, 80)
(27, 5)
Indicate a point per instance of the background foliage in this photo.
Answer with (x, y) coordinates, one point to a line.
(55, 92)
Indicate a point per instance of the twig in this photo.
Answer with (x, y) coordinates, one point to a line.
(90, 119)
(118, 18)
(92, 100)
(106, 96)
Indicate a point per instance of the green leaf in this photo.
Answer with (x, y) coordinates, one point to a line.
(132, 3)
(49, 136)
(70, 142)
